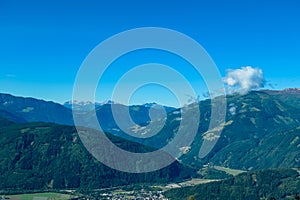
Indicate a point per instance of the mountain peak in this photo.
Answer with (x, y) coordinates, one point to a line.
(108, 102)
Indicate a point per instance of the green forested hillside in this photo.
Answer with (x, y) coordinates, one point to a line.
(260, 132)
(46, 156)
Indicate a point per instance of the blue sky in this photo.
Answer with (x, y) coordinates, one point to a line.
(43, 43)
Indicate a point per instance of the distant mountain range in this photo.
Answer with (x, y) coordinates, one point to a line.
(20, 109)
(83, 105)
(88, 105)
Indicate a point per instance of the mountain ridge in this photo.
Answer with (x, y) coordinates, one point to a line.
(251, 121)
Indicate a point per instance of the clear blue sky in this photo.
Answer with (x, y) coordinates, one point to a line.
(43, 43)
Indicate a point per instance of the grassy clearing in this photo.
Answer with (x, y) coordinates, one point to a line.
(197, 181)
(233, 172)
(50, 196)
(192, 182)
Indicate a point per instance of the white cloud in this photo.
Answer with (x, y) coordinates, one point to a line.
(244, 79)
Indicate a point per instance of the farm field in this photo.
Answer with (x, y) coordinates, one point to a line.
(40, 196)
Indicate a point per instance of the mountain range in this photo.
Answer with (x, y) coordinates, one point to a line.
(20, 109)
(40, 146)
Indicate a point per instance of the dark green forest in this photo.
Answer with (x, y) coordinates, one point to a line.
(51, 156)
(266, 184)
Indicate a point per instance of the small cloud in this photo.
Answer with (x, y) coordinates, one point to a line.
(244, 79)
